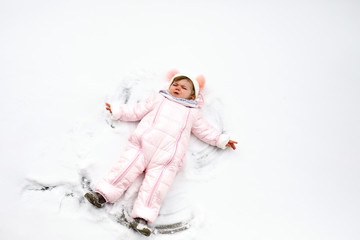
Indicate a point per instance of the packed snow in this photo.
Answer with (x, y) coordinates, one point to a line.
(282, 78)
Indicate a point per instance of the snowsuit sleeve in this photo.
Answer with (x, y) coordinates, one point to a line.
(136, 112)
(207, 133)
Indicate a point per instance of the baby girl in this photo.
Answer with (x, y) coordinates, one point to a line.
(156, 148)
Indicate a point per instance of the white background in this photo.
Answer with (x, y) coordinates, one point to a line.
(287, 73)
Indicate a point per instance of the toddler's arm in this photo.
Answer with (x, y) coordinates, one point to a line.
(207, 133)
(136, 112)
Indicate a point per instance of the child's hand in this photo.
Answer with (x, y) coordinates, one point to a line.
(108, 107)
(231, 144)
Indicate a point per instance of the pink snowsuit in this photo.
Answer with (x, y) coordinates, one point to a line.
(157, 147)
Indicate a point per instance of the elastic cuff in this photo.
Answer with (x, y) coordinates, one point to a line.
(147, 213)
(108, 191)
(223, 140)
(116, 111)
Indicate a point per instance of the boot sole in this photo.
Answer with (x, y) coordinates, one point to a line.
(93, 200)
(146, 232)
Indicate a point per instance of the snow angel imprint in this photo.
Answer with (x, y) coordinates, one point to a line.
(157, 147)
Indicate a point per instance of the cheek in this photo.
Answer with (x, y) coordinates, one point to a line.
(188, 93)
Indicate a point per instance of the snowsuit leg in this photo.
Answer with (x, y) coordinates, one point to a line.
(122, 174)
(153, 190)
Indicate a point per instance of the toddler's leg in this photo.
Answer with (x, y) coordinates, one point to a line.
(122, 174)
(152, 192)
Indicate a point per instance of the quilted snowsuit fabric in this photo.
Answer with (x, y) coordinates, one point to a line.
(157, 147)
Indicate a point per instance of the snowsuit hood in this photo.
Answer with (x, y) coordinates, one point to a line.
(192, 79)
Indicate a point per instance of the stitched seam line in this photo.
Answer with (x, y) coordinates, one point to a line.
(127, 169)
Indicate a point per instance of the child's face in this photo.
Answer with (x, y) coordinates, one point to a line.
(182, 89)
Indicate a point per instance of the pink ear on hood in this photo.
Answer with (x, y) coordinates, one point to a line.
(171, 74)
(201, 80)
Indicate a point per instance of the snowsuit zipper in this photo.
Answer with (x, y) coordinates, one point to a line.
(127, 169)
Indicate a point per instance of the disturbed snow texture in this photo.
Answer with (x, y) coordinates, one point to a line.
(282, 78)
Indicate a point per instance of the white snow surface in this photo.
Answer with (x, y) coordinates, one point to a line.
(282, 80)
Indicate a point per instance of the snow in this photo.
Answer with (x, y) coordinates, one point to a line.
(282, 79)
